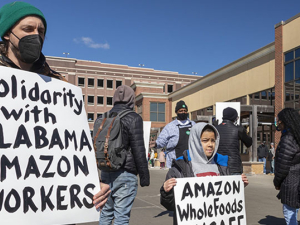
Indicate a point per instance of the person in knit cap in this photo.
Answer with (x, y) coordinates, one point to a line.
(175, 135)
(22, 30)
(124, 182)
(230, 136)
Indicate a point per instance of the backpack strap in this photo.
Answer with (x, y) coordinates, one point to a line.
(106, 143)
(124, 113)
(96, 136)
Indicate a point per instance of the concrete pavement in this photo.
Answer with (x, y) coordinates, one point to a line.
(262, 206)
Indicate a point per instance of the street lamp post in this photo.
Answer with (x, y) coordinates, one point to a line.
(66, 54)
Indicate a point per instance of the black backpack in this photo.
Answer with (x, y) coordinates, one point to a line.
(108, 143)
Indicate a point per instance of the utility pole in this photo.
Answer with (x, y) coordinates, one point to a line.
(66, 54)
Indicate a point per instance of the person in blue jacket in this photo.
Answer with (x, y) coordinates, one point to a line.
(175, 135)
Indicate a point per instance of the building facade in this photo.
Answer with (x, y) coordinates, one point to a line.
(264, 82)
(100, 80)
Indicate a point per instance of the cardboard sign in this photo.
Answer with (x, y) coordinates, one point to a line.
(48, 172)
(217, 200)
(220, 106)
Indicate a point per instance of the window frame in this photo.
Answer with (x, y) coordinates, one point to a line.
(112, 84)
(98, 96)
(98, 83)
(158, 112)
(91, 86)
(88, 102)
(81, 85)
(107, 101)
(90, 113)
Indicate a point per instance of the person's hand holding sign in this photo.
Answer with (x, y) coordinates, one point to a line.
(245, 180)
(169, 184)
(101, 197)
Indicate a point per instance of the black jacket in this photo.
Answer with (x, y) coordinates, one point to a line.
(180, 168)
(133, 140)
(230, 135)
(262, 151)
(287, 170)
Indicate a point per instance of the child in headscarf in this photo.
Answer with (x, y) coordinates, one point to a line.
(200, 160)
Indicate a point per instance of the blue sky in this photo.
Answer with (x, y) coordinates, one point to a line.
(174, 35)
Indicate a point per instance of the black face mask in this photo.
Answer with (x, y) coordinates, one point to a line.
(30, 48)
(182, 116)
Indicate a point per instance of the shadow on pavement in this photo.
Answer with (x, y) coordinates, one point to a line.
(272, 220)
(164, 213)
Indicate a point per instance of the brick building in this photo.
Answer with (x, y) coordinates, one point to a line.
(100, 80)
(264, 82)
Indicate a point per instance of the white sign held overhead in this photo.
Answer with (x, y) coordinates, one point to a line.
(48, 169)
(147, 128)
(214, 200)
(220, 106)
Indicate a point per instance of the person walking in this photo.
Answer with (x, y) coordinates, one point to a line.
(230, 137)
(162, 159)
(271, 158)
(287, 164)
(262, 154)
(124, 182)
(175, 134)
(152, 158)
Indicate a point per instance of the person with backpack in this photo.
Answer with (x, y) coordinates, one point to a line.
(121, 155)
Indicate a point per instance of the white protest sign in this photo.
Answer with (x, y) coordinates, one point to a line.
(147, 128)
(214, 200)
(48, 169)
(220, 106)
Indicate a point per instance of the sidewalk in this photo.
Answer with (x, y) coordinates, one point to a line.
(262, 206)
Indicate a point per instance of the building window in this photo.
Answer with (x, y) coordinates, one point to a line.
(109, 84)
(90, 100)
(264, 95)
(91, 82)
(292, 78)
(81, 81)
(170, 88)
(271, 95)
(209, 109)
(90, 117)
(118, 83)
(99, 115)
(83, 98)
(99, 100)
(100, 83)
(109, 100)
(256, 95)
(157, 112)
